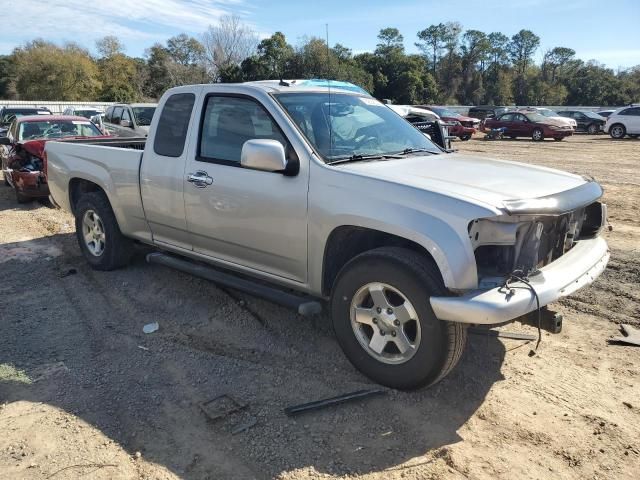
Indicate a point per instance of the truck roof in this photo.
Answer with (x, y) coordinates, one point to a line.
(314, 84)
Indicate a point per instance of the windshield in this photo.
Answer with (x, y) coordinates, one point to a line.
(535, 117)
(143, 115)
(9, 115)
(444, 112)
(57, 129)
(87, 113)
(341, 126)
(547, 113)
(593, 115)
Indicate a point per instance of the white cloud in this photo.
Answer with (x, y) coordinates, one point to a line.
(131, 21)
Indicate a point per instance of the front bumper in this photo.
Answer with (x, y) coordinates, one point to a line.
(579, 267)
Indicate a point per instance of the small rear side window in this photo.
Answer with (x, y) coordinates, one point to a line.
(173, 125)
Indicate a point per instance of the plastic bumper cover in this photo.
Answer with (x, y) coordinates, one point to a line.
(579, 267)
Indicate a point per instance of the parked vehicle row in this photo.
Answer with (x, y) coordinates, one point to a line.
(329, 193)
(529, 124)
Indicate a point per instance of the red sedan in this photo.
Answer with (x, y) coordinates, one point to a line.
(22, 150)
(529, 124)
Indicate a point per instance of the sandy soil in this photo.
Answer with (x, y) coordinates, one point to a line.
(84, 393)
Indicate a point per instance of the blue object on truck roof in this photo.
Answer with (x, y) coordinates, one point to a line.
(319, 82)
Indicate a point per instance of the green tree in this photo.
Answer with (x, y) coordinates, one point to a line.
(521, 49)
(433, 39)
(44, 71)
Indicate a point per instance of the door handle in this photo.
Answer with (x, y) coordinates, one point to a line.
(200, 179)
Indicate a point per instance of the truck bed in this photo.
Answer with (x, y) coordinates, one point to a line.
(136, 143)
(113, 164)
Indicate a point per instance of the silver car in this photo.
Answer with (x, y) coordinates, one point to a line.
(129, 120)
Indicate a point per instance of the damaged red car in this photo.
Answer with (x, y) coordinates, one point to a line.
(22, 150)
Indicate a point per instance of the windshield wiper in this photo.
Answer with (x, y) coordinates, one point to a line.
(359, 158)
(407, 151)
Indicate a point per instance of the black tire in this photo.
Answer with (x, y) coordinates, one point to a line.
(464, 138)
(537, 135)
(21, 198)
(418, 278)
(117, 248)
(593, 129)
(617, 131)
(558, 139)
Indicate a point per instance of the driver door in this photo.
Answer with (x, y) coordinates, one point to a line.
(249, 218)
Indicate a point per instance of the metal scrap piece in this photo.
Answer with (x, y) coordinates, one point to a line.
(328, 402)
(631, 336)
(221, 406)
(498, 333)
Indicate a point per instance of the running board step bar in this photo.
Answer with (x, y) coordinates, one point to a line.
(303, 305)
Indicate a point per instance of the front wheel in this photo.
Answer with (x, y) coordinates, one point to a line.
(464, 138)
(100, 239)
(617, 131)
(593, 129)
(384, 322)
(537, 135)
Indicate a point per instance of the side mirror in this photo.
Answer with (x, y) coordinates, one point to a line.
(125, 123)
(5, 141)
(265, 155)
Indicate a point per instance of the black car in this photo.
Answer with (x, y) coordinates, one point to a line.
(589, 122)
(486, 111)
(7, 114)
(605, 113)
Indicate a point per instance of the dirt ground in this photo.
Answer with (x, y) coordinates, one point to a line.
(84, 393)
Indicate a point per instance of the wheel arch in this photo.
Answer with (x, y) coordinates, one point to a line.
(347, 241)
(78, 187)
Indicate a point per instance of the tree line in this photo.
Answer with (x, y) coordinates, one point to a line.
(454, 66)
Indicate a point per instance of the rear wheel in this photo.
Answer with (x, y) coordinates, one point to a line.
(100, 239)
(384, 322)
(617, 131)
(558, 139)
(465, 137)
(537, 135)
(593, 129)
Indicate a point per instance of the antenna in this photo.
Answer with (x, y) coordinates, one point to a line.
(326, 26)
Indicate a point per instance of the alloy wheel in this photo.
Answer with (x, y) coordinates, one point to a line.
(93, 233)
(385, 323)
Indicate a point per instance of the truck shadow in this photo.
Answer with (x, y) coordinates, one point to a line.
(79, 334)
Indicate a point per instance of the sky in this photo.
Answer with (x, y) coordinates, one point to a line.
(595, 31)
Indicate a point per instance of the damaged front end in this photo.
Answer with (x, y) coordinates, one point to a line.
(535, 253)
(28, 174)
(524, 244)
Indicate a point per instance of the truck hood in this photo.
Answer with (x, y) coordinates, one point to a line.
(482, 181)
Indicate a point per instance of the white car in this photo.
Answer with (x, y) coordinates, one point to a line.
(546, 112)
(86, 112)
(414, 114)
(624, 121)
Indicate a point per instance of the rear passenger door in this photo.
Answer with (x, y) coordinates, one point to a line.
(248, 218)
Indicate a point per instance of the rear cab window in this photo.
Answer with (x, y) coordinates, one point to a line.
(173, 125)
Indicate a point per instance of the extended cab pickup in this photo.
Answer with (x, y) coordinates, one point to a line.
(329, 194)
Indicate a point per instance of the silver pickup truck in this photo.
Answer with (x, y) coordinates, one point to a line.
(308, 194)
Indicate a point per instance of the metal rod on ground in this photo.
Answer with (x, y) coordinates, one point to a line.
(498, 333)
(328, 402)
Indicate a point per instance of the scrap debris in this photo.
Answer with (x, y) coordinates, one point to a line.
(328, 402)
(151, 327)
(221, 406)
(631, 336)
(497, 333)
